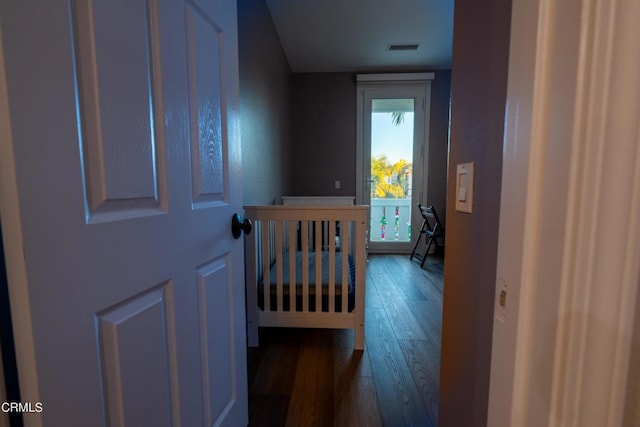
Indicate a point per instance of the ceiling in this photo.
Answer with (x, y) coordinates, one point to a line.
(353, 35)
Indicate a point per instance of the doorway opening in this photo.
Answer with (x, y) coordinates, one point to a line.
(391, 169)
(392, 151)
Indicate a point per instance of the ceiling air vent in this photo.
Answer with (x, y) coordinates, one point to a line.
(402, 46)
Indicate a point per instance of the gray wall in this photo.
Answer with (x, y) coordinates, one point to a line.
(324, 135)
(439, 143)
(265, 92)
(478, 94)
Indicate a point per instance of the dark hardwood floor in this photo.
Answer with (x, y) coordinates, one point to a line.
(313, 377)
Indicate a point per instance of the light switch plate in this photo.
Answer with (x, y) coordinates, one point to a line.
(464, 187)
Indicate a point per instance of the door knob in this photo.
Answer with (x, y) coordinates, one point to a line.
(238, 226)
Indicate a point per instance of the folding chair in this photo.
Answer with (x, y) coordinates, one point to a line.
(431, 228)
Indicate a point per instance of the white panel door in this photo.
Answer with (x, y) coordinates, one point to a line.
(120, 158)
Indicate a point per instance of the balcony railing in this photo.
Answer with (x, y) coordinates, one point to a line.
(390, 220)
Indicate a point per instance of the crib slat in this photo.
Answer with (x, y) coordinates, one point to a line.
(252, 266)
(292, 265)
(332, 266)
(360, 261)
(279, 280)
(266, 260)
(272, 241)
(318, 247)
(345, 247)
(304, 229)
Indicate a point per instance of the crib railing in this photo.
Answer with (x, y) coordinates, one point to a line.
(281, 231)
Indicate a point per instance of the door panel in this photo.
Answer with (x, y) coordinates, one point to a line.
(214, 294)
(205, 106)
(130, 373)
(120, 110)
(124, 132)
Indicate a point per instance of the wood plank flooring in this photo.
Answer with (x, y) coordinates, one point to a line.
(313, 377)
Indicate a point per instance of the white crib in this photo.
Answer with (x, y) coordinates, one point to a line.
(296, 276)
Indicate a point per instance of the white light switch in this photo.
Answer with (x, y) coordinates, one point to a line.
(464, 187)
(464, 183)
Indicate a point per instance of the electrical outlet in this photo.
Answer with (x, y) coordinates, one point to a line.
(337, 185)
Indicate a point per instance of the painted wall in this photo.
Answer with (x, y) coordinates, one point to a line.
(265, 91)
(324, 135)
(439, 143)
(478, 93)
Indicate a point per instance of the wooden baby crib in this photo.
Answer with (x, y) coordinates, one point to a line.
(306, 268)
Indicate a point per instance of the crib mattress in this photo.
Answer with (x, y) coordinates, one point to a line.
(286, 280)
(312, 281)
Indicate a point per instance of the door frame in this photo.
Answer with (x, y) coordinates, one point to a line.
(563, 342)
(384, 83)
